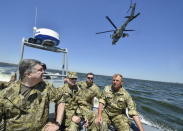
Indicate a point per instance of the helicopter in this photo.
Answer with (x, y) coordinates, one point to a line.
(119, 32)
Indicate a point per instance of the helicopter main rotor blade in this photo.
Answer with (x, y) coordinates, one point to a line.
(105, 31)
(111, 22)
(129, 30)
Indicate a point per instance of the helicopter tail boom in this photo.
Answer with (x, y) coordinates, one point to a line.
(132, 14)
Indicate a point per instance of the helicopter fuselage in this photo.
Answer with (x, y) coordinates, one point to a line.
(117, 35)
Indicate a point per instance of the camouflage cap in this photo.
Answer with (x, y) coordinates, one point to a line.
(72, 75)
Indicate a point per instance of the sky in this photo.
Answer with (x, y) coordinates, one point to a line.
(153, 52)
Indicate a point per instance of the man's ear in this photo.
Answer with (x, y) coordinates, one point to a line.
(29, 75)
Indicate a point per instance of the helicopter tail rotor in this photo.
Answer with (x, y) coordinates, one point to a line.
(130, 6)
(136, 15)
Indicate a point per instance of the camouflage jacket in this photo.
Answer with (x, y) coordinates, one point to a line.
(115, 103)
(69, 98)
(27, 114)
(86, 94)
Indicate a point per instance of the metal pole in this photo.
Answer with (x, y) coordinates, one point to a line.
(66, 62)
(21, 57)
(22, 50)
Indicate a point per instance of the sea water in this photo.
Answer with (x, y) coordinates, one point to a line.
(160, 104)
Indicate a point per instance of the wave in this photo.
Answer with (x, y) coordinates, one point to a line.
(6, 73)
(161, 114)
(160, 104)
(5, 77)
(139, 92)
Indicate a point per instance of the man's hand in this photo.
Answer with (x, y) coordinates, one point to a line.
(86, 123)
(51, 127)
(98, 120)
(138, 123)
(76, 119)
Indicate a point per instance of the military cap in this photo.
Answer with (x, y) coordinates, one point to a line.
(72, 75)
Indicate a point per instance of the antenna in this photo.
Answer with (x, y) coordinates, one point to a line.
(35, 18)
(35, 22)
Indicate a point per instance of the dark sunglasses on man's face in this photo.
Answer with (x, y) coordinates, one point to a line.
(90, 78)
(73, 78)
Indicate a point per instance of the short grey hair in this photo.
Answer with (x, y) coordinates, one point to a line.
(115, 75)
(26, 66)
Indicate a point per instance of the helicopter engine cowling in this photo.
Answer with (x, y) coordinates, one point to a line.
(125, 34)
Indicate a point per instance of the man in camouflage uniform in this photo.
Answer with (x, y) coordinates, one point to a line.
(70, 92)
(115, 99)
(89, 90)
(24, 105)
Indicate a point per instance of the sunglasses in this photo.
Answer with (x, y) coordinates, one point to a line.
(73, 78)
(90, 78)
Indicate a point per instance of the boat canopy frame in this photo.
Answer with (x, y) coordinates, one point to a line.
(64, 51)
